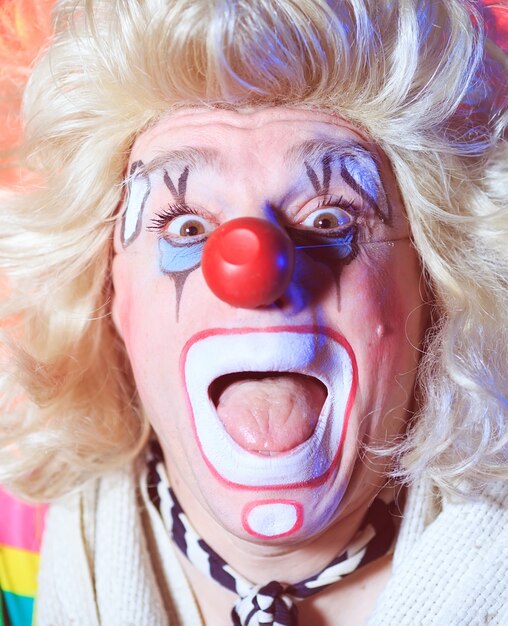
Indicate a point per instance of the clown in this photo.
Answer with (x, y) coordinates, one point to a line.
(261, 306)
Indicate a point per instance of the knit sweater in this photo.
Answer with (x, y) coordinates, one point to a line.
(106, 560)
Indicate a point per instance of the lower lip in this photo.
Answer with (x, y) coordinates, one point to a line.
(286, 464)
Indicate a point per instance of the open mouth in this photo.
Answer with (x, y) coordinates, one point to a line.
(269, 406)
(268, 413)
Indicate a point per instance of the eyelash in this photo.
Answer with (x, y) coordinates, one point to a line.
(332, 202)
(165, 215)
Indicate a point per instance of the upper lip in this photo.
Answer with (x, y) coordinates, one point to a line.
(277, 362)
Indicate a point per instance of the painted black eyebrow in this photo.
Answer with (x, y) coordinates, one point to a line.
(178, 194)
(318, 154)
(313, 151)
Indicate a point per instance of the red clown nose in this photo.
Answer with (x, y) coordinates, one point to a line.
(248, 262)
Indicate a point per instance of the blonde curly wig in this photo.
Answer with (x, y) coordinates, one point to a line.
(418, 76)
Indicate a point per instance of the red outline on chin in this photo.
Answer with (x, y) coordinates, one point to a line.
(252, 505)
(316, 330)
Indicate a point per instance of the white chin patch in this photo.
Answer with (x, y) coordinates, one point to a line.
(322, 354)
(271, 519)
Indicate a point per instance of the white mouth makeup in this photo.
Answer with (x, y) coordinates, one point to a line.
(312, 351)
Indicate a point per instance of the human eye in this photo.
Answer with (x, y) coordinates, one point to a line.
(179, 221)
(329, 217)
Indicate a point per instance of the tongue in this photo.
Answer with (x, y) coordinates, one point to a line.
(271, 413)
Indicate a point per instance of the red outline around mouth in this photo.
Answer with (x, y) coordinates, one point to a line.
(316, 330)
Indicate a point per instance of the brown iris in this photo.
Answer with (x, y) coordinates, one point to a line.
(326, 220)
(192, 228)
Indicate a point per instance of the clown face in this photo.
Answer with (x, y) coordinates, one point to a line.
(264, 414)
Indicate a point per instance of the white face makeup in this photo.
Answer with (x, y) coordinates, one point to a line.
(264, 414)
(138, 191)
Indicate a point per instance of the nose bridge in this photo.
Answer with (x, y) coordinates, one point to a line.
(256, 182)
(256, 206)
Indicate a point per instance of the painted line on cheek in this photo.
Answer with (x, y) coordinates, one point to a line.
(272, 519)
(325, 249)
(177, 262)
